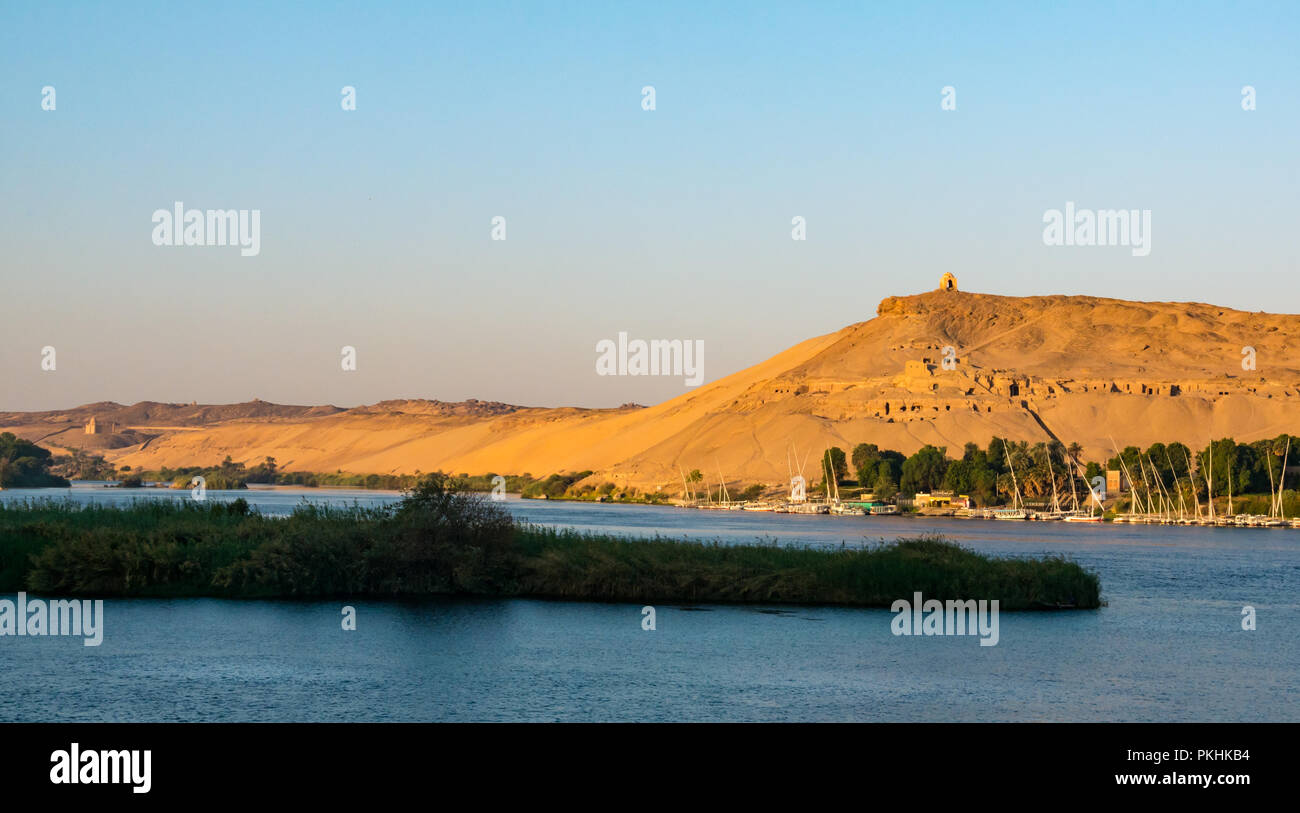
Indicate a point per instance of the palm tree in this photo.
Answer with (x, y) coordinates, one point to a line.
(1005, 487)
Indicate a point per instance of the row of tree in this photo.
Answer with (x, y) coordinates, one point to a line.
(992, 474)
(80, 464)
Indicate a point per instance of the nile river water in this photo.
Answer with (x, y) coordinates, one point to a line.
(1168, 646)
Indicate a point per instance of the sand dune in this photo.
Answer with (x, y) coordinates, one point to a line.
(1080, 368)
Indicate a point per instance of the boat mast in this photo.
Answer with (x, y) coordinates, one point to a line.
(1281, 512)
(1230, 512)
(835, 480)
(1166, 503)
(1056, 504)
(796, 460)
(1209, 478)
(803, 465)
(1074, 491)
(826, 482)
(1155, 495)
(1074, 471)
(1192, 483)
(1272, 486)
(1178, 484)
(789, 472)
(1095, 499)
(1015, 493)
(1146, 488)
(1132, 503)
(831, 480)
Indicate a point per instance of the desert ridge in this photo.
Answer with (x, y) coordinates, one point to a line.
(945, 368)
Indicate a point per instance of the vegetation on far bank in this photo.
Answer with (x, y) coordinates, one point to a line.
(1251, 471)
(437, 541)
(230, 475)
(23, 464)
(985, 474)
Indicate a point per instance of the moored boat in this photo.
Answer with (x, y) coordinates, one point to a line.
(1081, 517)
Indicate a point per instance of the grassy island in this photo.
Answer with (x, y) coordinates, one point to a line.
(438, 541)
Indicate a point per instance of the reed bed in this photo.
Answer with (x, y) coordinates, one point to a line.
(439, 542)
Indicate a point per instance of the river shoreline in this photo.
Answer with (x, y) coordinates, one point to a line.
(1168, 644)
(470, 546)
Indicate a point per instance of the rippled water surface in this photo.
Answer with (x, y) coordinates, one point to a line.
(1169, 645)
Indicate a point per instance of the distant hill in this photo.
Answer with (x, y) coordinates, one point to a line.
(1078, 368)
(148, 413)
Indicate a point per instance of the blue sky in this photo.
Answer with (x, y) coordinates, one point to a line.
(673, 223)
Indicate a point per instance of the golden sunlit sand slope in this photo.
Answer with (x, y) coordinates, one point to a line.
(1081, 369)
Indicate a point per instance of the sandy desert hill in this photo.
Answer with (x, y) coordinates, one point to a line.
(944, 367)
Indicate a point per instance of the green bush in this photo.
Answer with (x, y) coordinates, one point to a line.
(437, 541)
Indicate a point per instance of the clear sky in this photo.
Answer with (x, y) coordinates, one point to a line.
(671, 223)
